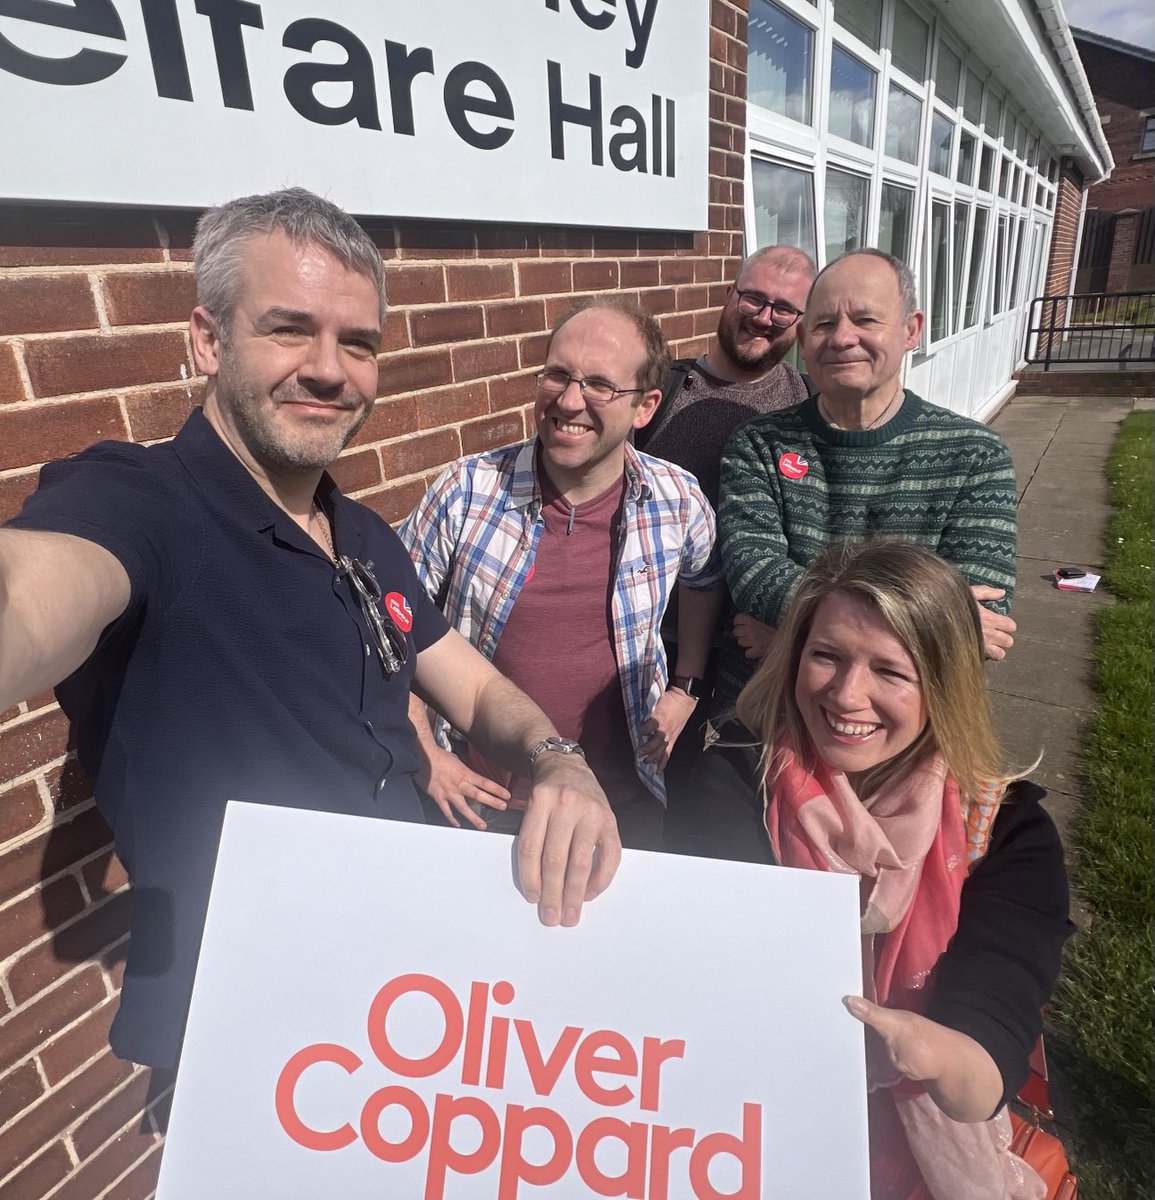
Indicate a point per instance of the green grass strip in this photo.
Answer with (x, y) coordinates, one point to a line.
(1102, 1010)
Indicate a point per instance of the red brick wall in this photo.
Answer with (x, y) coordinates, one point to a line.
(93, 306)
(1123, 86)
(1064, 234)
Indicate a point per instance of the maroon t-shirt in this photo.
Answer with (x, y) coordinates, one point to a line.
(558, 643)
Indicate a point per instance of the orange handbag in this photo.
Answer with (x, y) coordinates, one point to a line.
(1033, 1144)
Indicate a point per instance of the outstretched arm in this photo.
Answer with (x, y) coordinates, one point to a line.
(57, 595)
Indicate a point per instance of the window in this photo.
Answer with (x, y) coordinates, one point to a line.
(783, 206)
(999, 266)
(851, 98)
(939, 268)
(992, 113)
(1147, 144)
(910, 40)
(941, 132)
(1016, 274)
(781, 52)
(845, 217)
(1005, 178)
(986, 170)
(973, 100)
(863, 18)
(966, 158)
(896, 220)
(962, 214)
(948, 71)
(974, 271)
(903, 120)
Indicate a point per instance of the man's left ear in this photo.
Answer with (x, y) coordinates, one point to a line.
(914, 325)
(646, 407)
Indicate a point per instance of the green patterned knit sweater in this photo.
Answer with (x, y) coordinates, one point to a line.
(791, 483)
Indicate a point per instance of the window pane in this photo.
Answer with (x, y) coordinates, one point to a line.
(961, 214)
(941, 131)
(863, 18)
(939, 268)
(1148, 142)
(974, 274)
(783, 206)
(896, 220)
(910, 40)
(998, 266)
(1004, 178)
(966, 157)
(986, 171)
(1008, 126)
(845, 215)
(992, 113)
(851, 98)
(1016, 274)
(903, 120)
(973, 100)
(1021, 139)
(779, 61)
(946, 74)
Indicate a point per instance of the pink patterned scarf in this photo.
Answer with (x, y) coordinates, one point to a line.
(909, 845)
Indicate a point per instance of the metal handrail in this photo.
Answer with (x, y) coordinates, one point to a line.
(1092, 327)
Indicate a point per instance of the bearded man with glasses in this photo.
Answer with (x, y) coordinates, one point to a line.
(556, 558)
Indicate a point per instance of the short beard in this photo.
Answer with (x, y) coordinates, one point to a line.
(261, 437)
(774, 353)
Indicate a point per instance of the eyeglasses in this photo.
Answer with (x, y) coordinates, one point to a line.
(594, 391)
(753, 304)
(392, 649)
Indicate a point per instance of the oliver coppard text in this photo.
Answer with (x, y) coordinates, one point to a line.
(460, 1131)
(477, 101)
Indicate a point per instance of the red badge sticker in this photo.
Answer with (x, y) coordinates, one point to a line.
(792, 466)
(398, 608)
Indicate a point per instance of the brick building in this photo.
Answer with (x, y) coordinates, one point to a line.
(1117, 251)
(956, 136)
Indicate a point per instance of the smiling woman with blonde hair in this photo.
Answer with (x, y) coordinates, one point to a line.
(880, 758)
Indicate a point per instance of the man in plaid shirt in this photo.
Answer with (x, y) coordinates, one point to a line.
(556, 558)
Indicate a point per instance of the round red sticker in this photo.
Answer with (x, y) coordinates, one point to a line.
(398, 608)
(792, 466)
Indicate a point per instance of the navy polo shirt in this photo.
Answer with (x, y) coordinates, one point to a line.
(241, 669)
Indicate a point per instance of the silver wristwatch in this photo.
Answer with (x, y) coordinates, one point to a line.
(560, 744)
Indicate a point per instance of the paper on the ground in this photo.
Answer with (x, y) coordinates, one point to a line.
(1084, 583)
(378, 1012)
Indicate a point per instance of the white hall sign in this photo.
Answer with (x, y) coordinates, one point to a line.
(377, 1012)
(585, 112)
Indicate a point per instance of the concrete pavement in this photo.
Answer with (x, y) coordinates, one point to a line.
(1042, 691)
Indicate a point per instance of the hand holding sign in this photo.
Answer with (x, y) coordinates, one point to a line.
(958, 1074)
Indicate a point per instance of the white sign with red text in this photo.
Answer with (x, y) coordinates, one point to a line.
(378, 1013)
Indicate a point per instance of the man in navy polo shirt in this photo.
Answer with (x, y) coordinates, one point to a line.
(221, 623)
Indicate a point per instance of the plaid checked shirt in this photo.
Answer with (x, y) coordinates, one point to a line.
(474, 536)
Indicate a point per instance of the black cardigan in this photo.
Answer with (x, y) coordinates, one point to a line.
(1000, 967)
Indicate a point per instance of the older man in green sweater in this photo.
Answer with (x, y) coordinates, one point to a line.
(861, 457)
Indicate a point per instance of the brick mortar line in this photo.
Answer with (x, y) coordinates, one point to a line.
(65, 1135)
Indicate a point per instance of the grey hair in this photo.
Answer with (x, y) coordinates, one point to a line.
(302, 216)
(907, 288)
(789, 259)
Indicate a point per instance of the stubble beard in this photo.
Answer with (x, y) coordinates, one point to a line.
(306, 449)
(749, 360)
